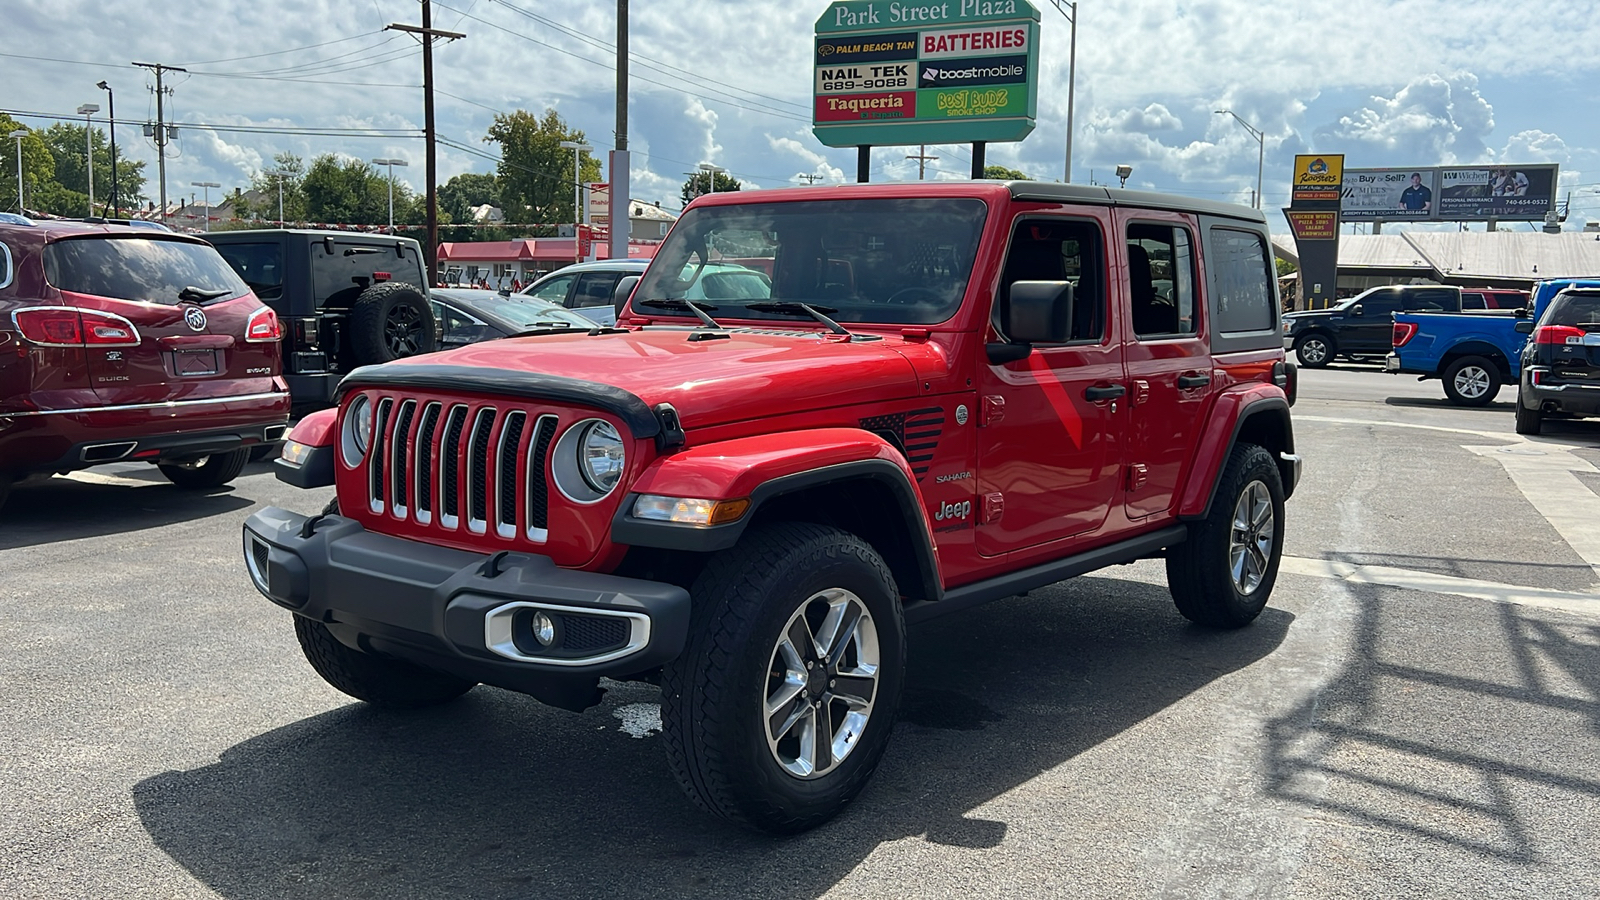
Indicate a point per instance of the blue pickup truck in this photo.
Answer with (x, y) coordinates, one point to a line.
(1472, 353)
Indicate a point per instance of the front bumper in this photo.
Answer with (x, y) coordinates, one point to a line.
(468, 614)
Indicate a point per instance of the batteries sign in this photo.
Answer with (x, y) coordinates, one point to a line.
(925, 73)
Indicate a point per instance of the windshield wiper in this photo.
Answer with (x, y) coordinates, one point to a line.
(685, 306)
(192, 294)
(794, 307)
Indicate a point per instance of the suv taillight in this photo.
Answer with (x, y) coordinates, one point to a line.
(66, 326)
(1558, 334)
(1404, 331)
(263, 326)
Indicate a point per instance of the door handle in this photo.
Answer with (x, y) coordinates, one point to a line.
(1104, 392)
(1186, 382)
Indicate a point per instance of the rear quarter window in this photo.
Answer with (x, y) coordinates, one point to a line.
(1242, 281)
(135, 267)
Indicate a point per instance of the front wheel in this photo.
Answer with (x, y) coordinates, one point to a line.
(1223, 574)
(1472, 381)
(1529, 421)
(207, 472)
(782, 702)
(1314, 351)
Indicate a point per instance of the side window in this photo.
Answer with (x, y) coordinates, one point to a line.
(1382, 304)
(1437, 300)
(1243, 277)
(1161, 280)
(1061, 250)
(1473, 300)
(555, 290)
(594, 289)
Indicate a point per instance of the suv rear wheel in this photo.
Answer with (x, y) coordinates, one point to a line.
(1529, 421)
(1314, 350)
(781, 704)
(1471, 381)
(1223, 574)
(390, 321)
(207, 472)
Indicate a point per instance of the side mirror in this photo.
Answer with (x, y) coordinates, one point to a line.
(1521, 312)
(1523, 326)
(623, 290)
(1355, 310)
(1036, 312)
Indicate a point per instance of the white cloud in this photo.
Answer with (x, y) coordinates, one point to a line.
(1432, 120)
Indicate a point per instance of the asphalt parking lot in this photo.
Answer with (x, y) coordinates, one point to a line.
(1416, 714)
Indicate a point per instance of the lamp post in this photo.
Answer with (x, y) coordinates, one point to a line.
(1261, 150)
(1072, 72)
(207, 186)
(19, 134)
(88, 110)
(1123, 172)
(577, 192)
(711, 176)
(391, 163)
(277, 174)
(111, 131)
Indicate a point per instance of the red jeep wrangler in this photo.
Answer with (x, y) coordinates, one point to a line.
(131, 344)
(918, 398)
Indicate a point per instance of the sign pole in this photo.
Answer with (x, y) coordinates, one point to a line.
(978, 147)
(863, 162)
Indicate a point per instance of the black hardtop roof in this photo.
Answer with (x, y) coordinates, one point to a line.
(1054, 192)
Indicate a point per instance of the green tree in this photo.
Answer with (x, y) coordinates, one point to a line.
(69, 196)
(38, 166)
(349, 192)
(1004, 174)
(288, 170)
(460, 194)
(535, 172)
(700, 181)
(1285, 267)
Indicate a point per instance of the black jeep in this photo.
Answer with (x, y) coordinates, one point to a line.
(346, 300)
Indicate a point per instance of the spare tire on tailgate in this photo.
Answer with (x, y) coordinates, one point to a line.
(391, 321)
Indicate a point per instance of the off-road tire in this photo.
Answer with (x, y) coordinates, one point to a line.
(374, 679)
(1474, 368)
(391, 306)
(1199, 574)
(214, 471)
(1315, 361)
(1529, 421)
(712, 694)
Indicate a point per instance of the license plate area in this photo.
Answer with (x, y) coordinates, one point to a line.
(194, 363)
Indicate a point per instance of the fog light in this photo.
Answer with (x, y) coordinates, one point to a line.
(295, 453)
(544, 629)
(688, 511)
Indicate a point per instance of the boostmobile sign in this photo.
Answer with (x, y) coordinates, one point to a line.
(925, 73)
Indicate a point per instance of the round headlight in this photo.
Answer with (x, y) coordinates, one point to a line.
(356, 435)
(600, 456)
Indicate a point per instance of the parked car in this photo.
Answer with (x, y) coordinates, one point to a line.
(1361, 326)
(586, 288)
(467, 316)
(1561, 362)
(1493, 298)
(346, 300)
(131, 344)
(953, 393)
(1472, 353)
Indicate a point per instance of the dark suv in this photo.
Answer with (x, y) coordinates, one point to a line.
(346, 300)
(1561, 361)
(1361, 327)
(131, 344)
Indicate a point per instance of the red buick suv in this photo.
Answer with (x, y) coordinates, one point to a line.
(119, 344)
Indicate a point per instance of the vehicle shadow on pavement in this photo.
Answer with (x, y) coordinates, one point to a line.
(495, 795)
(1501, 406)
(1477, 752)
(65, 509)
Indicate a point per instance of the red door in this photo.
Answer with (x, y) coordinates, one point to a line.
(1048, 452)
(1168, 357)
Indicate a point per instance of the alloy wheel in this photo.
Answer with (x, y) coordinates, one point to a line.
(1313, 351)
(1250, 541)
(821, 683)
(402, 330)
(1472, 382)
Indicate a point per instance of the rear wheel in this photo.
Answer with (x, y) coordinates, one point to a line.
(1223, 574)
(207, 472)
(1529, 421)
(390, 321)
(1314, 350)
(1472, 381)
(782, 702)
(375, 679)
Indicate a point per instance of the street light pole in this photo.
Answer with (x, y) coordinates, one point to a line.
(577, 193)
(391, 163)
(207, 185)
(19, 134)
(277, 175)
(711, 176)
(1261, 150)
(111, 131)
(1072, 72)
(88, 110)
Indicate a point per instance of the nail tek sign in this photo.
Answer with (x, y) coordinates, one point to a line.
(925, 73)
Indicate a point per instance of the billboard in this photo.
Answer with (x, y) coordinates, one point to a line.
(904, 72)
(1449, 193)
(1316, 177)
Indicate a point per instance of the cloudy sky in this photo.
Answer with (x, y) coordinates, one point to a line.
(1415, 83)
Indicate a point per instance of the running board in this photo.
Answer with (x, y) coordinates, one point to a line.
(1013, 583)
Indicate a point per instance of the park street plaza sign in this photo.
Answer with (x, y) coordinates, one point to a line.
(919, 72)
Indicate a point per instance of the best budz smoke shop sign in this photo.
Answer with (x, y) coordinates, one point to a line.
(925, 73)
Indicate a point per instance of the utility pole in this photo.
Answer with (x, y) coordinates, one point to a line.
(426, 35)
(162, 134)
(620, 163)
(1072, 72)
(922, 159)
(88, 110)
(810, 179)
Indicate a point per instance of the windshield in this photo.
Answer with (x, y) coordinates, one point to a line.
(900, 261)
(138, 268)
(260, 265)
(526, 314)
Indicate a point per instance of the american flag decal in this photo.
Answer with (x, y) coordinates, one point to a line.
(915, 433)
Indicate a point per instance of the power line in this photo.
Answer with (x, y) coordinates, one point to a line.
(212, 62)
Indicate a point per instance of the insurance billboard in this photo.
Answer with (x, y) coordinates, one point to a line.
(1448, 193)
